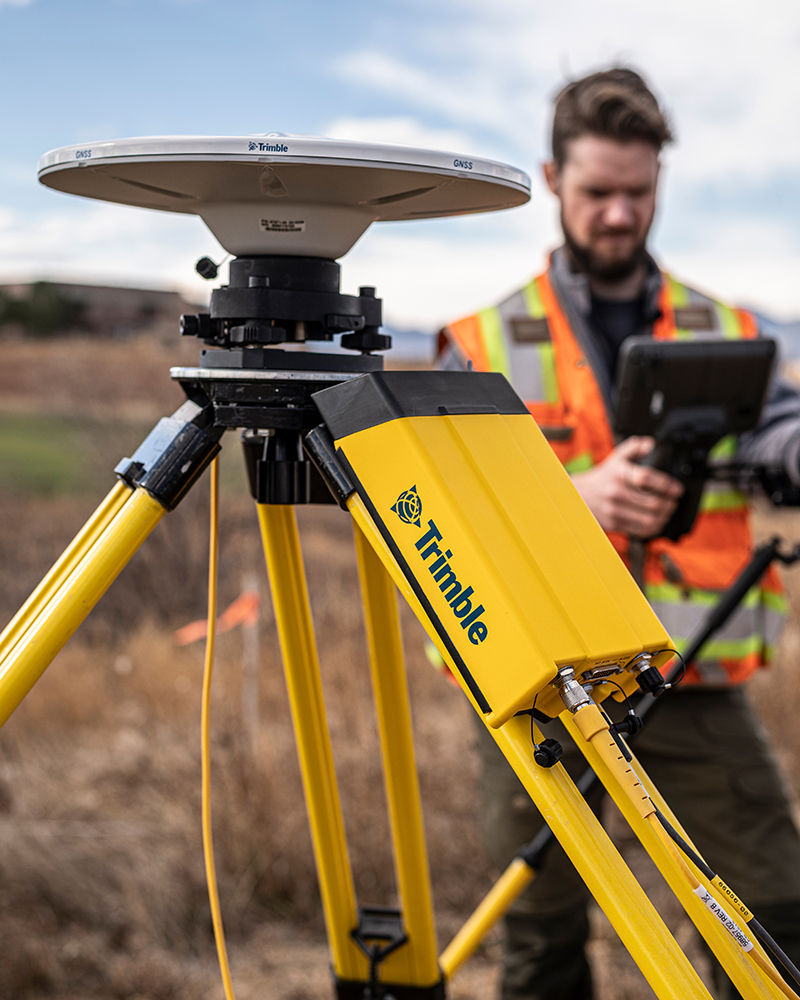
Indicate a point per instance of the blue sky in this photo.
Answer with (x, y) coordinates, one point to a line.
(466, 75)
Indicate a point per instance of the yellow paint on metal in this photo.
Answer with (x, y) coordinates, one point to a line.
(72, 601)
(749, 981)
(516, 878)
(609, 880)
(301, 666)
(66, 563)
(492, 493)
(415, 962)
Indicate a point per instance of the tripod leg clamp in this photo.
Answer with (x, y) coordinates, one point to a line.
(174, 454)
(353, 989)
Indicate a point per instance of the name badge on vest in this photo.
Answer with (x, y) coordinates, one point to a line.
(527, 330)
(695, 318)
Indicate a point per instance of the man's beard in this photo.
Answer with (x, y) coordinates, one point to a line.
(587, 262)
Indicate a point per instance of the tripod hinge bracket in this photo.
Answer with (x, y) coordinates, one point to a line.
(173, 455)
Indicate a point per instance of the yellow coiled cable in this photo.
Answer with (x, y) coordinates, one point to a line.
(205, 738)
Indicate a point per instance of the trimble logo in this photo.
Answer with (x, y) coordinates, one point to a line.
(268, 147)
(460, 598)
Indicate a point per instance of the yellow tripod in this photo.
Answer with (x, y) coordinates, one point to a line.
(458, 501)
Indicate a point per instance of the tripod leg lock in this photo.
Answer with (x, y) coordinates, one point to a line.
(354, 989)
(380, 931)
(174, 454)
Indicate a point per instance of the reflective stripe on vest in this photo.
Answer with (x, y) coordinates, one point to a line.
(529, 339)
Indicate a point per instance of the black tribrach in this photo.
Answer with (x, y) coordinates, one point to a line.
(279, 300)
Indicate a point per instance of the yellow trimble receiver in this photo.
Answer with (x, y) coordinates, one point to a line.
(482, 525)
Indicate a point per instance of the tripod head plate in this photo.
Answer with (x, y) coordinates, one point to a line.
(284, 194)
(254, 375)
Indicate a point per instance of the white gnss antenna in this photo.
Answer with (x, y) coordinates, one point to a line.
(286, 207)
(282, 194)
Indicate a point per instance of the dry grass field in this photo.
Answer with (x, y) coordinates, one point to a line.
(102, 890)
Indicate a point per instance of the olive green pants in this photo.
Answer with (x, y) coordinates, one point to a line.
(707, 754)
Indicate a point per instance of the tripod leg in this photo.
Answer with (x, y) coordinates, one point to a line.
(296, 634)
(160, 473)
(417, 959)
(514, 880)
(746, 977)
(74, 599)
(65, 565)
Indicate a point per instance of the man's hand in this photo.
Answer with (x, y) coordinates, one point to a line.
(627, 497)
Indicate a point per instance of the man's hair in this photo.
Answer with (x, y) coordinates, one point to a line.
(614, 104)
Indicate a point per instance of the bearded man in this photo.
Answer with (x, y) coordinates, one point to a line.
(558, 341)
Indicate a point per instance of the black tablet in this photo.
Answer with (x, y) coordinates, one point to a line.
(663, 384)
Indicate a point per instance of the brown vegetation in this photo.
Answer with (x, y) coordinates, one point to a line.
(102, 891)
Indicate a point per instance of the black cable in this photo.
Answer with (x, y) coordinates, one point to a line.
(767, 939)
(624, 695)
(758, 930)
(533, 709)
(689, 851)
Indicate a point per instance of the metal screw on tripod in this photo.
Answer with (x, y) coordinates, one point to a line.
(206, 268)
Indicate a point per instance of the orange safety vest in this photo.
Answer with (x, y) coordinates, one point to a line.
(529, 339)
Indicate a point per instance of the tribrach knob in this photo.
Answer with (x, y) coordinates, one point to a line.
(206, 268)
(199, 325)
(190, 325)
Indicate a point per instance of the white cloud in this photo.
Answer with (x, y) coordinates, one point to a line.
(482, 103)
(745, 262)
(400, 130)
(99, 243)
(729, 73)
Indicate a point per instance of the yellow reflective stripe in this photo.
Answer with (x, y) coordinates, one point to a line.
(717, 497)
(533, 301)
(580, 463)
(679, 296)
(728, 322)
(494, 341)
(679, 293)
(722, 500)
(547, 363)
(669, 593)
(724, 448)
(732, 649)
(545, 352)
(775, 602)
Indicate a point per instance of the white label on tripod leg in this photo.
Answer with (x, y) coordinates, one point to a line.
(727, 921)
(283, 225)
